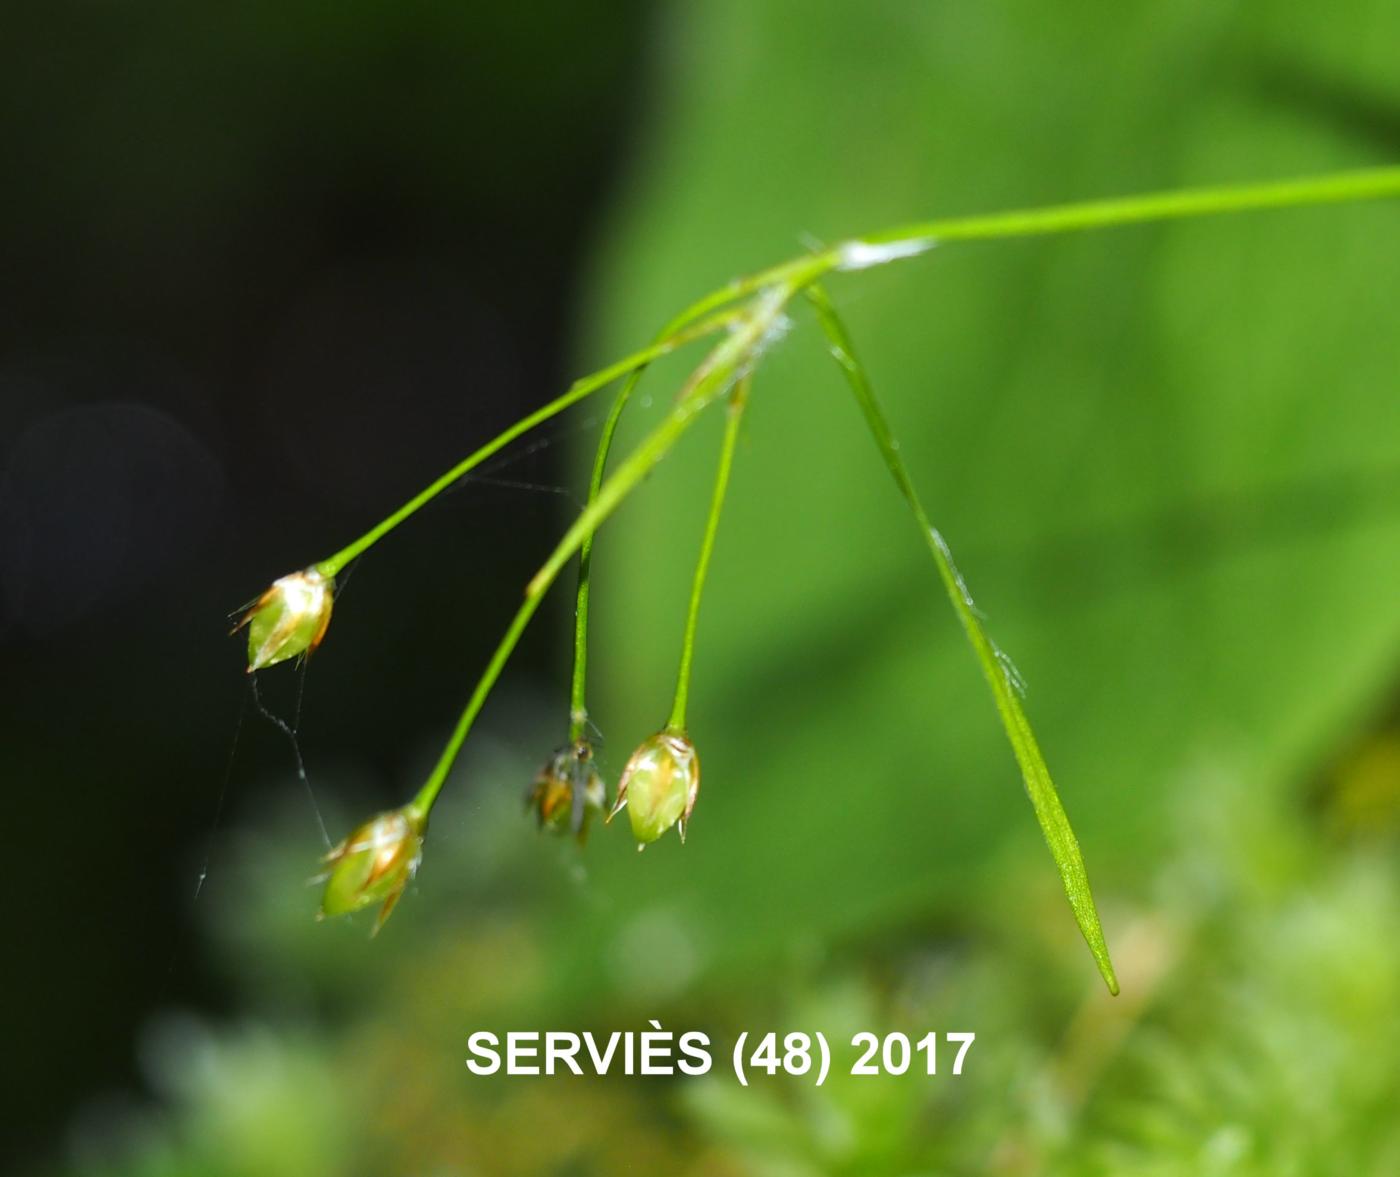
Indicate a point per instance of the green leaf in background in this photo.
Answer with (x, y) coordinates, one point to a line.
(1166, 455)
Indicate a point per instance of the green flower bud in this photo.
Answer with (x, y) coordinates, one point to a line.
(659, 786)
(289, 619)
(568, 791)
(374, 864)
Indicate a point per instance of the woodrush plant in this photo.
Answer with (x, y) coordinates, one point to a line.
(660, 783)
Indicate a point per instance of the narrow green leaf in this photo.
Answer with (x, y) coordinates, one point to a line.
(997, 668)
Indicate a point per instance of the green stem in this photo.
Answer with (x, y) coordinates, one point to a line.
(738, 400)
(578, 702)
(908, 240)
(889, 245)
(1049, 811)
(581, 388)
(1367, 184)
(709, 381)
(703, 387)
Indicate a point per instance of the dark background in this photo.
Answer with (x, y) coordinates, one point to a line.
(267, 268)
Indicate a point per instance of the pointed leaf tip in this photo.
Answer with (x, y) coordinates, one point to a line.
(1054, 823)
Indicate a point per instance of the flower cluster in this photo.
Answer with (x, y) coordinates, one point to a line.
(659, 784)
(658, 788)
(375, 863)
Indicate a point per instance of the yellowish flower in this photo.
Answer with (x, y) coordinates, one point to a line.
(289, 619)
(659, 786)
(568, 791)
(374, 864)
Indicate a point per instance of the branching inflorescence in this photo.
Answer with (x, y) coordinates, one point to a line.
(659, 785)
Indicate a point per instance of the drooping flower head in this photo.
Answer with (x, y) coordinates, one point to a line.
(659, 786)
(568, 791)
(289, 619)
(374, 864)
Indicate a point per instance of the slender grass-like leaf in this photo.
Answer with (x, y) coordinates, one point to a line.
(1054, 822)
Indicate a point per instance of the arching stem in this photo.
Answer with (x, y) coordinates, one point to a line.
(738, 400)
(708, 314)
(583, 387)
(578, 693)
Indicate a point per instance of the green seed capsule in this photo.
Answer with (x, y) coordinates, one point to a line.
(289, 619)
(568, 791)
(374, 864)
(659, 786)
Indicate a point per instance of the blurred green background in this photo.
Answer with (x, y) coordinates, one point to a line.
(1167, 458)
